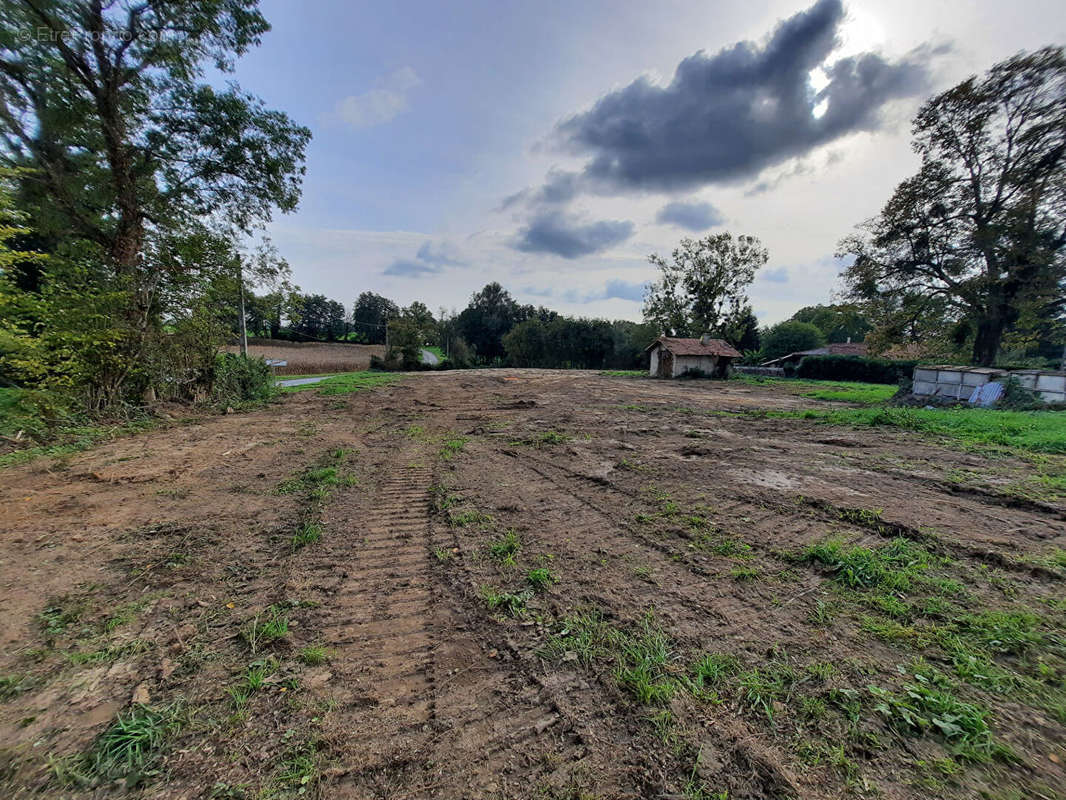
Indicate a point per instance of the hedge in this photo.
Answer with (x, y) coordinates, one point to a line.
(855, 368)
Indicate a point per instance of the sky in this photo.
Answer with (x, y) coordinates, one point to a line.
(552, 146)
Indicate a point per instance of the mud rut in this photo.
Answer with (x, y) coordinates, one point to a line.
(423, 707)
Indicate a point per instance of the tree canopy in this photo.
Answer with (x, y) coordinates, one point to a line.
(978, 234)
(790, 337)
(134, 171)
(838, 323)
(703, 287)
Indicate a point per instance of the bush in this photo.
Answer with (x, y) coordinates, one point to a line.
(241, 379)
(855, 368)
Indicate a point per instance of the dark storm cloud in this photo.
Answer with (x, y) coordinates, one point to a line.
(406, 268)
(559, 189)
(690, 216)
(727, 116)
(565, 235)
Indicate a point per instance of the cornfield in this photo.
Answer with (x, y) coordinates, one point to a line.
(313, 358)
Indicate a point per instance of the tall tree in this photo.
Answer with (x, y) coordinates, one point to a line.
(105, 101)
(489, 316)
(128, 146)
(419, 315)
(843, 322)
(743, 330)
(980, 230)
(371, 314)
(703, 287)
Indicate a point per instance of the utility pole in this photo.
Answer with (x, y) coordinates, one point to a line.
(243, 324)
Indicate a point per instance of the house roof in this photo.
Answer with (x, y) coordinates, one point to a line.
(835, 349)
(847, 349)
(695, 347)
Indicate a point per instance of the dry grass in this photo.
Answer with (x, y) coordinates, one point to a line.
(311, 358)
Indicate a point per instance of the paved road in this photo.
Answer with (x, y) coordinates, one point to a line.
(303, 381)
(428, 357)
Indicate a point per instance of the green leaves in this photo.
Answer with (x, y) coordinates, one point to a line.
(704, 285)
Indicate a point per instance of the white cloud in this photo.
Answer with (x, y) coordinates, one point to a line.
(387, 100)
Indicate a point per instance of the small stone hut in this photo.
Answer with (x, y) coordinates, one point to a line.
(671, 358)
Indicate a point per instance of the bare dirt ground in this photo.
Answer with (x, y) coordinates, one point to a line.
(530, 584)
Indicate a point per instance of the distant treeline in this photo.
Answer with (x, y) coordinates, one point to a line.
(492, 329)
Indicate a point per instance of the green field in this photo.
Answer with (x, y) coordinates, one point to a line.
(345, 383)
(839, 391)
(1032, 431)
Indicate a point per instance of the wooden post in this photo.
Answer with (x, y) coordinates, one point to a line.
(243, 323)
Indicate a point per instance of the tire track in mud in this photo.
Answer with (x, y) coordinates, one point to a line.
(378, 626)
(421, 707)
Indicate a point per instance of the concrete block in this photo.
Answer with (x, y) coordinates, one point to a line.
(976, 378)
(1051, 383)
(949, 376)
(924, 387)
(1053, 397)
(928, 375)
(953, 390)
(1026, 379)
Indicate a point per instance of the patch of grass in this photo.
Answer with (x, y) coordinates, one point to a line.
(928, 705)
(867, 394)
(711, 671)
(443, 554)
(308, 533)
(298, 771)
(313, 655)
(586, 635)
(463, 519)
(57, 618)
(540, 578)
(108, 653)
(973, 428)
(505, 549)
(132, 744)
(744, 574)
(453, 446)
(624, 373)
(11, 685)
(1003, 631)
(729, 547)
(543, 440)
(268, 627)
(257, 672)
(511, 603)
(644, 572)
(822, 613)
(346, 383)
(897, 565)
(643, 659)
(762, 687)
(442, 498)
(47, 425)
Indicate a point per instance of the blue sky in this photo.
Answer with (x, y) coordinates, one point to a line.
(552, 146)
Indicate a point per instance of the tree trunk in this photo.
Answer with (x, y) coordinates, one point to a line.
(986, 342)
